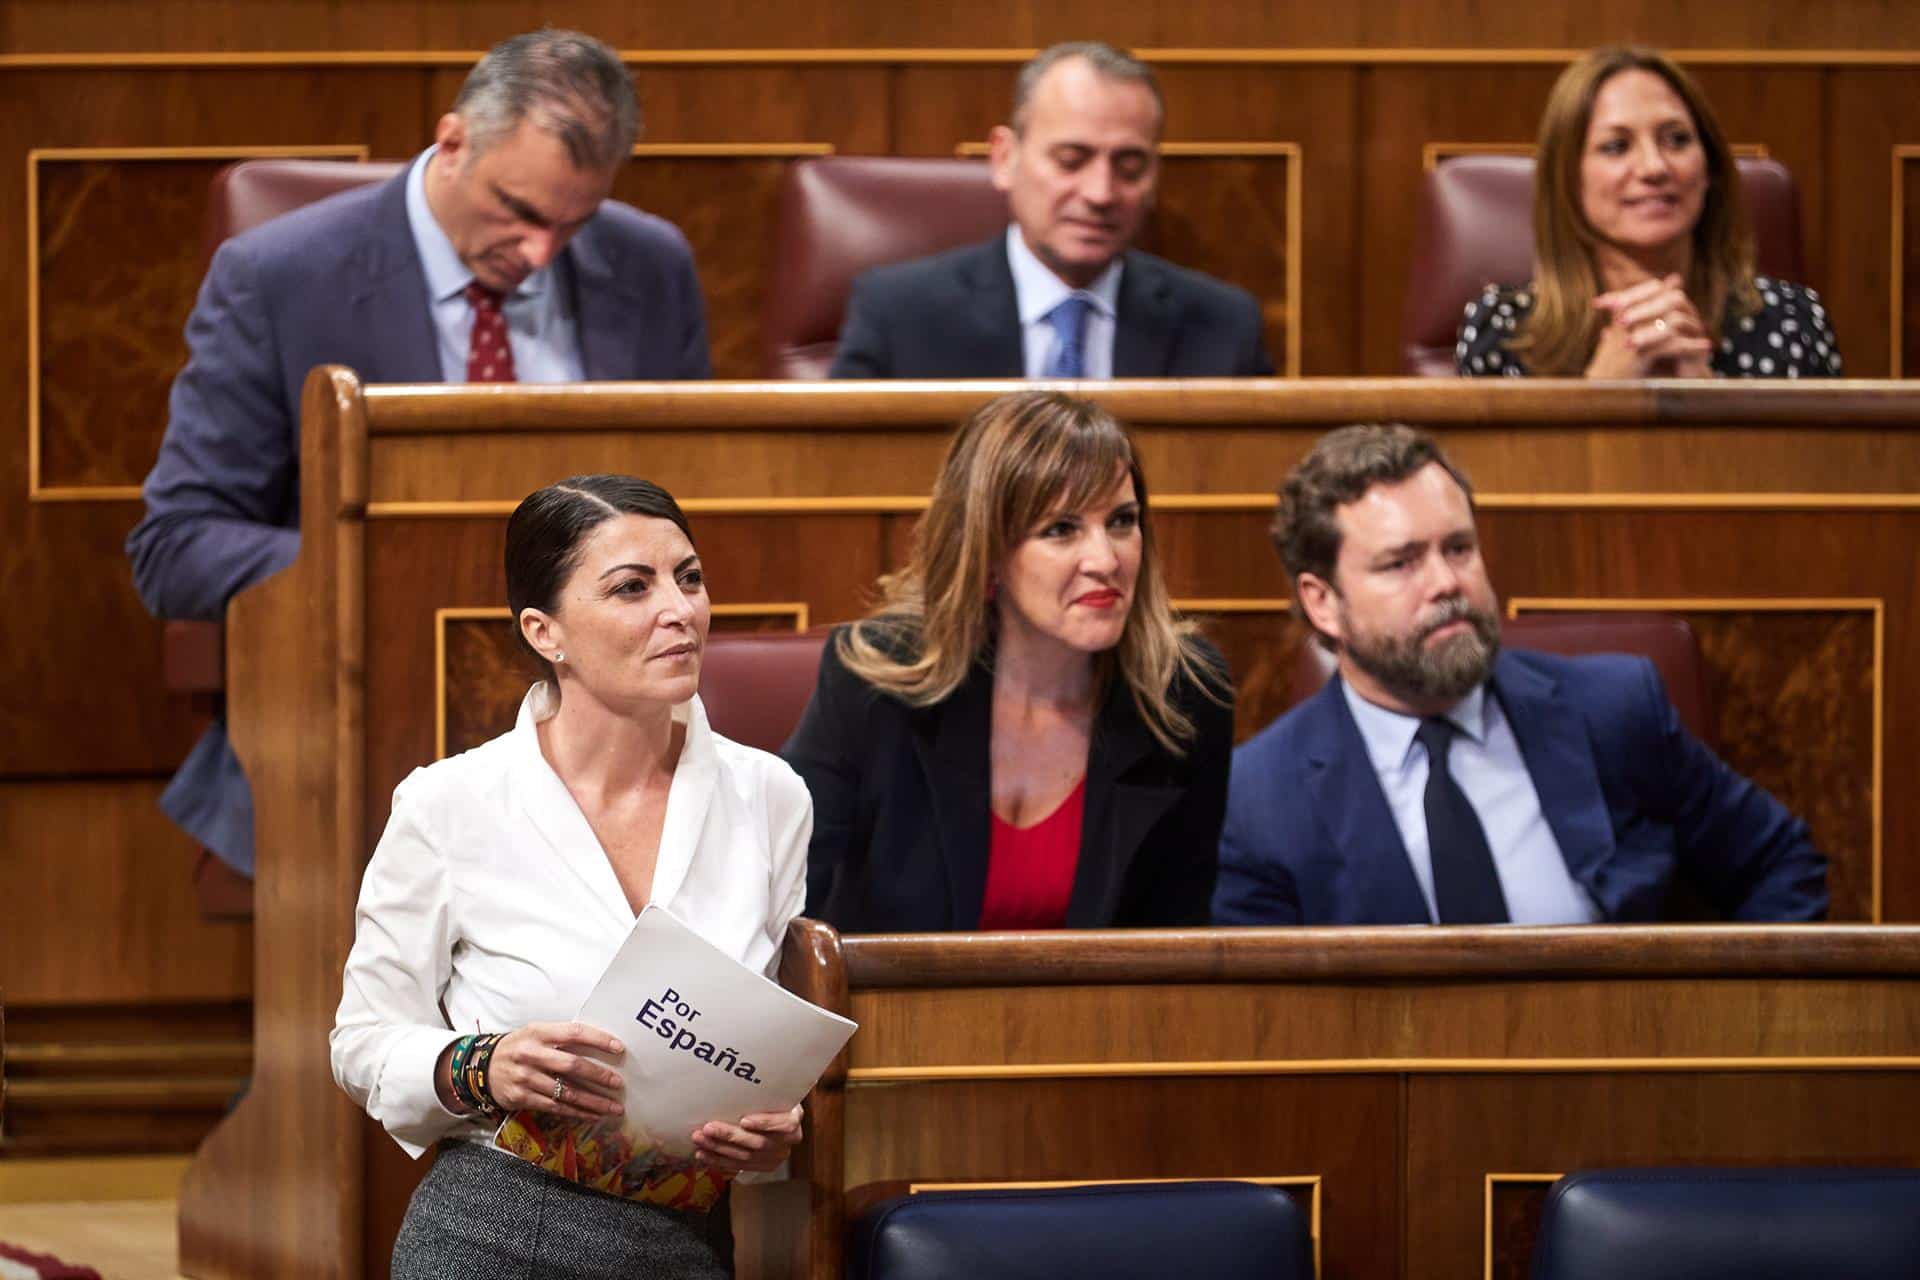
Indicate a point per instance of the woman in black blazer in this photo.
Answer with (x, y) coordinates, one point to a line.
(1022, 735)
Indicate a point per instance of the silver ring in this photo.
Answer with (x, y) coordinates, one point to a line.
(1660, 323)
(559, 1090)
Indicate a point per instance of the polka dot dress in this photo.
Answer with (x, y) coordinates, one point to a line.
(1789, 337)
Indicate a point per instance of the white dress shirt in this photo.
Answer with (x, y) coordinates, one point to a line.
(1485, 761)
(490, 904)
(539, 315)
(1037, 291)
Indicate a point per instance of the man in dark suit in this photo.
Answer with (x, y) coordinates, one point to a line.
(1061, 294)
(495, 256)
(1436, 778)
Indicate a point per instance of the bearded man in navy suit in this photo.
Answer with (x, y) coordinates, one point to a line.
(1437, 778)
(500, 232)
(1062, 293)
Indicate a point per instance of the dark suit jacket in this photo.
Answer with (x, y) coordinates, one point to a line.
(339, 282)
(954, 315)
(1631, 796)
(902, 805)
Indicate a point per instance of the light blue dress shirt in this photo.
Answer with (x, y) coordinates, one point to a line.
(540, 321)
(1486, 763)
(1038, 291)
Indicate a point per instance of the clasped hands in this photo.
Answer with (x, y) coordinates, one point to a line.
(539, 1068)
(1653, 331)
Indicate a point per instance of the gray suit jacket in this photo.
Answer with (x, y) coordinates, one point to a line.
(955, 315)
(340, 282)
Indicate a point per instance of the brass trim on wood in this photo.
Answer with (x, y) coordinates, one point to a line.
(1308, 57)
(907, 504)
(1769, 604)
(36, 492)
(896, 1075)
(1231, 604)
(1486, 1235)
(728, 150)
(798, 610)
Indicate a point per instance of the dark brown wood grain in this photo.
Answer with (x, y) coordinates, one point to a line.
(887, 961)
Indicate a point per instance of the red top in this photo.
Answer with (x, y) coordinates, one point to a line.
(1030, 869)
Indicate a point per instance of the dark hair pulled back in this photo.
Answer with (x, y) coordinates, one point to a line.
(547, 531)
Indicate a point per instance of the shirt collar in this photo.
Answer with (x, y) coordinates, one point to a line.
(1389, 734)
(447, 276)
(1039, 291)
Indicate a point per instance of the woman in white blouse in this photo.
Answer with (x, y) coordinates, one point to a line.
(508, 876)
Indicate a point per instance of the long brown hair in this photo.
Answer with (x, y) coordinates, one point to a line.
(1016, 460)
(1560, 334)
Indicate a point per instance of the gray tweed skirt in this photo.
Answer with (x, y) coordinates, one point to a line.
(484, 1213)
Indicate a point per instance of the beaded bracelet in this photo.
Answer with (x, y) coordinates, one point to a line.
(473, 1084)
(468, 1072)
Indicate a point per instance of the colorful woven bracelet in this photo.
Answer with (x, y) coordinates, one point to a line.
(473, 1086)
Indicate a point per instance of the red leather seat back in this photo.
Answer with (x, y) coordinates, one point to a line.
(840, 215)
(755, 684)
(1476, 229)
(251, 192)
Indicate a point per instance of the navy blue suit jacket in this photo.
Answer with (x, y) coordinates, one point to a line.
(340, 282)
(955, 315)
(902, 801)
(1632, 798)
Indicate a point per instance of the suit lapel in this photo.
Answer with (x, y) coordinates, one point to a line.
(391, 305)
(1553, 742)
(609, 315)
(1353, 810)
(1143, 329)
(995, 348)
(950, 741)
(1118, 813)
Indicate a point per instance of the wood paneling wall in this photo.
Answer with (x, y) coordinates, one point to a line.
(101, 260)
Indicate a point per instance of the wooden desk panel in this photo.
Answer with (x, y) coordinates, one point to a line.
(802, 495)
(1424, 1077)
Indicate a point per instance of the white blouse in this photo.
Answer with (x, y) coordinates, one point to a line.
(489, 903)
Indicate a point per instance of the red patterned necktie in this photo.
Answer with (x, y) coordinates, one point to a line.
(489, 356)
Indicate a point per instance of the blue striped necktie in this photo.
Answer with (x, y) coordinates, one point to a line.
(1069, 321)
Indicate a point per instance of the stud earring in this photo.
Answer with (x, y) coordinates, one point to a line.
(559, 657)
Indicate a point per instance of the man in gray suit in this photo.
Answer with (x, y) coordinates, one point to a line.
(495, 256)
(1062, 293)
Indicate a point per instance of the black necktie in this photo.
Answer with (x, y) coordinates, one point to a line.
(1465, 885)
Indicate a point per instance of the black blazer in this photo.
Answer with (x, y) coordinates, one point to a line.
(902, 801)
(955, 315)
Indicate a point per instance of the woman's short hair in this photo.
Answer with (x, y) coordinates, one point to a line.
(1016, 460)
(547, 534)
(1559, 335)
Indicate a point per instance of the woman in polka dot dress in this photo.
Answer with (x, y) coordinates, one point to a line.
(1644, 262)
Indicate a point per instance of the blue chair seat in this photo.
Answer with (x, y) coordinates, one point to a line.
(1736, 1224)
(1220, 1230)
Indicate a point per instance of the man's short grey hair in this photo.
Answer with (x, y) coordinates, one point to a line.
(568, 84)
(1108, 62)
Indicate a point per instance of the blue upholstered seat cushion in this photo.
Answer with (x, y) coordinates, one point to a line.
(1219, 1230)
(1753, 1224)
